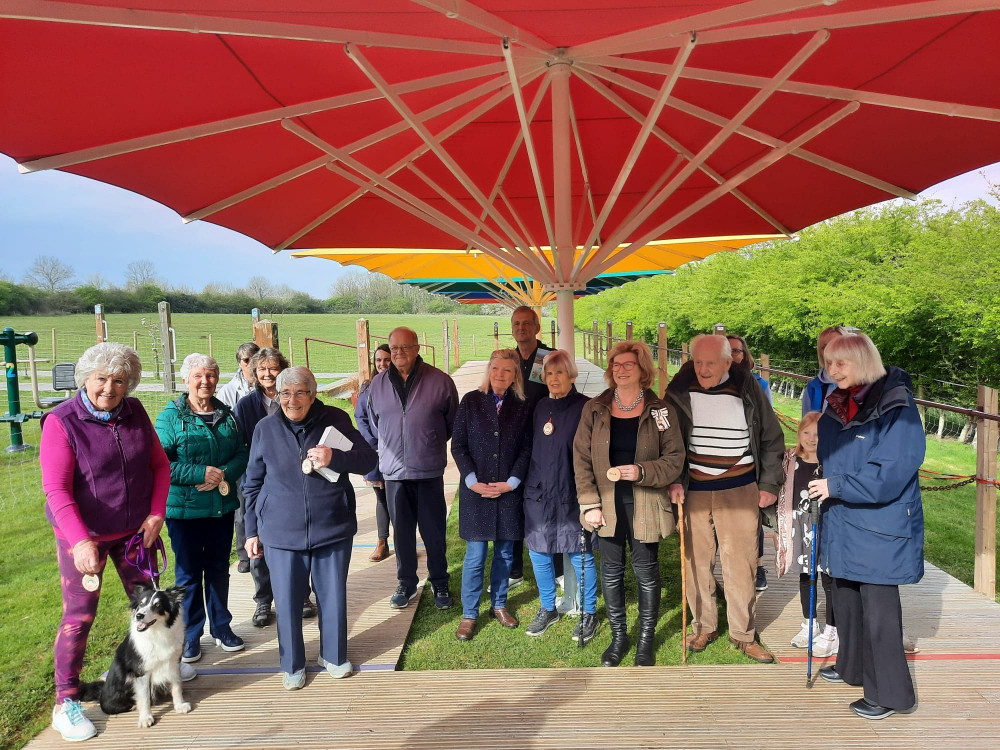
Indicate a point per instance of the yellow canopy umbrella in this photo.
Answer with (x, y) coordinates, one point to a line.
(436, 269)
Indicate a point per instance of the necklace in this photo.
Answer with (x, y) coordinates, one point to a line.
(622, 406)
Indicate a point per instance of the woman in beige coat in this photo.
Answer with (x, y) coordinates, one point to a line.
(628, 449)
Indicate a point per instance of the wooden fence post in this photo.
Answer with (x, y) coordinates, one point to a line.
(424, 342)
(662, 356)
(628, 330)
(985, 575)
(54, 346)
(454, 341)
(719, 329)
(291, 354)
(102, 324)
(168, 347)
(265, 333)
(210, 347)
(610, 343)
(364, 344)
(135, 344)
(922, 410)
(496, 336)
(595, 345)
(553, 326)
(475, 352)
(765, 367)
(444, 349)
(684, 352)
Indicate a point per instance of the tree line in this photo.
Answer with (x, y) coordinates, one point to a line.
(922, 279)
(49, 289)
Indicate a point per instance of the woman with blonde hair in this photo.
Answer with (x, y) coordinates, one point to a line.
(794, 534)
(871, 446)
(628, 449)
(491, 443)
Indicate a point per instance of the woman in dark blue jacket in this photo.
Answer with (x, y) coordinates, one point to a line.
(374, 478)
(871, 446)
(491, 443)
(302, 521)
(551, 512)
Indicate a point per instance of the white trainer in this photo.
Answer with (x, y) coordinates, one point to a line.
(826, 643)
(71, 721)
(336, 671)
(293, 680)
(801, 639)
(188, 672)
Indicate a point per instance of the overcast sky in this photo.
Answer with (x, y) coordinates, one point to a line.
(97, 228)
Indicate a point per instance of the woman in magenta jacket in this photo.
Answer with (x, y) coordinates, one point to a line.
(105, 477)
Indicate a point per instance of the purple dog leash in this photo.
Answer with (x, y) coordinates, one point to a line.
(147, 560)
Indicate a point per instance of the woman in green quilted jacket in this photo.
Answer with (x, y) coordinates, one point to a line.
(207, 456)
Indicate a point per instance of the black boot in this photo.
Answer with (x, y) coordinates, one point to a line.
(614, 604)
(649, 614)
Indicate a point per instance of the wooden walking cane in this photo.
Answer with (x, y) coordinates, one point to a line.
(684, 614)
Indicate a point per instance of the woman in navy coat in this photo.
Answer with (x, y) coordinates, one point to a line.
(871, 446)
(551, 512)
(491, 443)
(304, 523)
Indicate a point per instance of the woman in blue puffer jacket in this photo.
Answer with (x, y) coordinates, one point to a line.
(871, 446)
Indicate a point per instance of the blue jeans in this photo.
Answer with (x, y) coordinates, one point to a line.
(201, 565)
(545, 577)
(472, 575)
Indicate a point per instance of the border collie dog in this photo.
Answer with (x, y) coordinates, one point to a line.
(148, 659)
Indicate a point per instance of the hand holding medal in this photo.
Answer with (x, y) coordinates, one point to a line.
(628, 473)
(317, 457)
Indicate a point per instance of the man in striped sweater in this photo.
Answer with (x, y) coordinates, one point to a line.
(735, 446)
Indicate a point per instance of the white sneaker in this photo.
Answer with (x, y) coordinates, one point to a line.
(336, 671)
(188, 672)
(827, 643)
(71, 721)
(293, 680)
(801, 639)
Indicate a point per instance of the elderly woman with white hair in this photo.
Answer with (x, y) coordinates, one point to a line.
(105, 478)
(304, 519)
(551, 513)
(871, 446)
(207, 455)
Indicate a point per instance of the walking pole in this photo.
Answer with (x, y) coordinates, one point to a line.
(812, 589)
(583, 573)
(684, 614)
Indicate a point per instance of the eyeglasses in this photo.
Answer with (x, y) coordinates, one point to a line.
(627, 366)
(287, 395)
(398, 349)
(737, 351)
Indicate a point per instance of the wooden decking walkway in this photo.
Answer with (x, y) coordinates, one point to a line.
(239, 702)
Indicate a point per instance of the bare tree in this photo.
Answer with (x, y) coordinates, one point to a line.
(139, 273)
(97, 281)
(260, 287)
(49, 273)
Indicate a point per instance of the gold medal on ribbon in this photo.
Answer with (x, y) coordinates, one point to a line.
(223, 488)
(307, 466)
(91, 582)
(549, 428)
(614, 473)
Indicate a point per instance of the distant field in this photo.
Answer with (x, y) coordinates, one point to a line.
(74, 333)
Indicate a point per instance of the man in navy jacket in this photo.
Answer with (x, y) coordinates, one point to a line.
(411, 411)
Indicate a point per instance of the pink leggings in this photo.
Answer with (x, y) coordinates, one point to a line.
(80, 608)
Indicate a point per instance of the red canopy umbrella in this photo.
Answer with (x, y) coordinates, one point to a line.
(504, 126)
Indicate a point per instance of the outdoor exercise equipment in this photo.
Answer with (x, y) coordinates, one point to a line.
(14, 416)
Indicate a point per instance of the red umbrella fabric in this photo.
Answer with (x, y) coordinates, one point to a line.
(504, 125)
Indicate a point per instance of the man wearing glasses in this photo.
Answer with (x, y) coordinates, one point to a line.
(411, 409)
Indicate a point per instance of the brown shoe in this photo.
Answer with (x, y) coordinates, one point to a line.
(506, 618)
(466, 629)
(753, 650)
(381, 551)
(698, 643)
